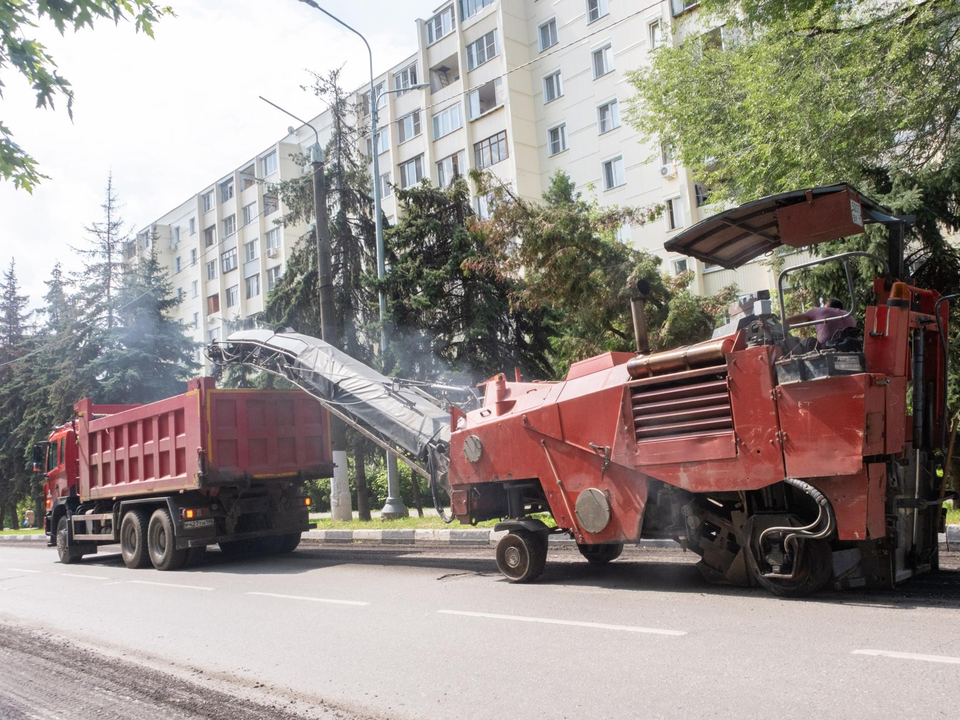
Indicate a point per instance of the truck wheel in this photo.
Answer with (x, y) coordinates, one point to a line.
(133, 539)
(289, 542)
(162, 542)
(600, 554)
(67, 554)
(522, 555)
(815, 571)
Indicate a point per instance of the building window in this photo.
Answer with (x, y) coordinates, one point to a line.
(405, 78)
(557, 139)
(180, 295)
(469, 8)
(196, 321)
(666, 154)
(679, 266)
(253, 285)
(228, 260)
(700, 194)
(176, 265)
(680, 6)
(193, 256)
(268, 163)
(193, 226)
(212, 270)
(210, 236)
(613, 175)
(485, 98)
(485, 206)
(195, 288)
(602, 61)
(411, 172)
(207, 201)
(229, 226)
(596, 9)
(213, 304)
(408, 126)
(249, 213)
(273, 276)
(273, 239)
(608, 116)
(447, 121)
(482, 50)
(386, 189)
(673, 213)
(233, 296)
(248, 177)
(226, 190)
(449, 169)
(251, 250)
(655, 31)
(383, 143)
(623, 233)
(175, 240)
(552, 87)
(270, 203)
(491, 150)
(440, 24)
(547, 33)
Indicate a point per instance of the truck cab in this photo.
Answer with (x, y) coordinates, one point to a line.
(57, 458)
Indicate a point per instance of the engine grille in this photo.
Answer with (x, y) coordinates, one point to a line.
(682, 404)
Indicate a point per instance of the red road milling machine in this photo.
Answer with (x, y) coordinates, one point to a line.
(780, 463)
(169, 478)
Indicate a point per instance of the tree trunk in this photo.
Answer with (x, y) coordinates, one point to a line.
(415, 484)
(363, 491)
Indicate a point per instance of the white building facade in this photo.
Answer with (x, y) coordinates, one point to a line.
(521, 88)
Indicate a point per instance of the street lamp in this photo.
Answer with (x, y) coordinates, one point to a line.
(393, 507)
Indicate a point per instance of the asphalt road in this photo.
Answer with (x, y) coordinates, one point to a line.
(397, 633)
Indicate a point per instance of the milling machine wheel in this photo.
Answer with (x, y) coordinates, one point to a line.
(522, 555)
(600, 554)
(816, 570)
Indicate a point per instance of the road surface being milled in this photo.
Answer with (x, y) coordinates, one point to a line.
(366, 632)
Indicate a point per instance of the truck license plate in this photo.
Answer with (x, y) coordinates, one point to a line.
(194, 524)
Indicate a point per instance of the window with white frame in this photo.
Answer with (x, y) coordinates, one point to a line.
(212, 270)
(655, 33)
(623, 233)
(386, 189)
(271, 203)
(613, 174)
(411, 172)
(226, 190)
(679, 266)
(253, 285)
(552, 87)
(408, 126)
(210, 236)
(229, 226)
(449, 169)
(490, 151)
(482, 50)
(176, 265)
(207, 200)
(485, 206)
(273, 239)
(273, 276)
(557, 139)
(608, 116)
(251, 250)
(666, 154)
(602, 60)
(680, 6)
(673, 213)
(485, 98)
(448, 120)
(193, 256)
(596, 9)
(405, 78)
(701, 194)
(469, 8)
(268, 163)
(441, 24)
(213, 334)
(233, 296)
(196, 320)
(175, 240)
(228, 260)
(213, 304)
(547, 34)
(193, 226)
(383, 142)
(249, 213)
(195, 288)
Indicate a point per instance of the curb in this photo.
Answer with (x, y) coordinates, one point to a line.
(33, 537)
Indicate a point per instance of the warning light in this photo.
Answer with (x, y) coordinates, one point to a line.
(306, 501)
(189, 514)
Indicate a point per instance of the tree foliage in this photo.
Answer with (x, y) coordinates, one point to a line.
(32, 60)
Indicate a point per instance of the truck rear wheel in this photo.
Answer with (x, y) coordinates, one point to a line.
(162, 542)
(289, 542)
(600, 554)
(133, 539)
(522, 555)
(67, 554)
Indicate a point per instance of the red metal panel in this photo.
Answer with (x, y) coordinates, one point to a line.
(896, 415)
(886, 340)
(827, 217)
(858, 502)
(598, 363)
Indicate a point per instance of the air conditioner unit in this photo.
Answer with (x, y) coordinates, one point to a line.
(668, 171)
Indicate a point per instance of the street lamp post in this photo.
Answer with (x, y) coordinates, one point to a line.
(393, 507)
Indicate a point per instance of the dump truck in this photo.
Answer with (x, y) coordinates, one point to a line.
(169, 478)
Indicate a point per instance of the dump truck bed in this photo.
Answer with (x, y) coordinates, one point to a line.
(204, 439)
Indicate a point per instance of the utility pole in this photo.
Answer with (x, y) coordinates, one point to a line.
(340, 504)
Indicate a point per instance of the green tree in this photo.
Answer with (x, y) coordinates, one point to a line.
(33, 62)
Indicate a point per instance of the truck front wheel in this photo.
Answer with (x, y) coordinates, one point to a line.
(67, 554)
(289, 542)
(133, 539)
(162, 543)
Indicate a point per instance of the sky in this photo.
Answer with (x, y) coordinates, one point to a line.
(168, 116)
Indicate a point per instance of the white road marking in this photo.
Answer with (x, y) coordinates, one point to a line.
(173, 585)
(309, 599)
(910, 656)
(575, 623)
(85, 577)
(24, 570)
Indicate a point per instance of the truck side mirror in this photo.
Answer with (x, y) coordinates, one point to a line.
(38, 458)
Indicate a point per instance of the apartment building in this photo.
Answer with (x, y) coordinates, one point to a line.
(521, 88)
